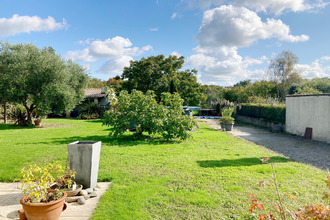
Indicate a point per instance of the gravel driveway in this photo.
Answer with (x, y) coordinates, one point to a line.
(294, 147)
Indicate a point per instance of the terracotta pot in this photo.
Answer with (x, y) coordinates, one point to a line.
(45, 211)
(37, 123)
(71, 192)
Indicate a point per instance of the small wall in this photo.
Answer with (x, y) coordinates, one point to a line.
(309, 111)
(257, 122)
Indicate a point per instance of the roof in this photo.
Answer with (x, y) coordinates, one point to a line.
(94, 93)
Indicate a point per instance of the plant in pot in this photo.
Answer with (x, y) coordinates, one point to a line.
(39, 201)
(38, 122)
(66, 183)
(226, 121)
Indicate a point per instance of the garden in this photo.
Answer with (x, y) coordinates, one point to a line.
(211, 175)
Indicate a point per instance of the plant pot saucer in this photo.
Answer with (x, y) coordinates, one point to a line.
(71, 192)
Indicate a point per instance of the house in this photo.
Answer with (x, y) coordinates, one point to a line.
(96, 95)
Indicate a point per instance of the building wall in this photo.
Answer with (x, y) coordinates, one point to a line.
(309, 111)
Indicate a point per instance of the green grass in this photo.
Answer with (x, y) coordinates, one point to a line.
(206, 177)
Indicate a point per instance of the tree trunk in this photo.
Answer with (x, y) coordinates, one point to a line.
(5, 113)
(29, 113)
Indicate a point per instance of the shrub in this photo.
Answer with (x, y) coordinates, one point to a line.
(164, 118)
(90, 111)
(226, 115)
(268, 112)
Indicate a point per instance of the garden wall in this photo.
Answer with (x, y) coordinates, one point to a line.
(309, 111)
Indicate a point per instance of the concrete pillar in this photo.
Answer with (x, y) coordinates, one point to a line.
(84, 158)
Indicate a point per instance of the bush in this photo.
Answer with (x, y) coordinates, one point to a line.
(90, 111)
(274, 113)
(226, 115)
(163, 118)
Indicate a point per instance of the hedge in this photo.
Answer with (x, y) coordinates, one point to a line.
(273, 113)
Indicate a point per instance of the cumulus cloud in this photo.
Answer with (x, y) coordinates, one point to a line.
(27, 24)
(223, 31)
(233, 26)
(315, 70)
(117, 51)
(174, 15)
(174, 53)
(326, 58)
(268, 6)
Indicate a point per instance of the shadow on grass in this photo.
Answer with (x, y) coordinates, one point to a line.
(239, 162)
(14, 127)
(126, 140)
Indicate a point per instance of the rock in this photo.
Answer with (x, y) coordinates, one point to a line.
(73, 199)
(81, 201)
(89, 190)
(96, 189)
(98, 186)
(83, 193)
(86, 197)
(93, 194)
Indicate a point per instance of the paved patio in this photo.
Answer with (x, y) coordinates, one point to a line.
(10, 195)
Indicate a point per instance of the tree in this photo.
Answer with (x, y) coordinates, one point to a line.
(282, 70)
(164, 118)
(213, 93)
(41, 80)
(115, 83)
(162, 74)
(96, 83)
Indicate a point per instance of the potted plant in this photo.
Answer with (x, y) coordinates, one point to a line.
(39, 201)
(38, 122)
(226, 121)
(66, 183)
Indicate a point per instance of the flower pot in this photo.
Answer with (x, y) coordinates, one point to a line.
(37, 123)
(71, 192)
(45, 211)
(228, 126)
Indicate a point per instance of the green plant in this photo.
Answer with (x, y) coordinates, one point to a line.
(37, 180)
(226, 115)
(90, 111)
(163, 118)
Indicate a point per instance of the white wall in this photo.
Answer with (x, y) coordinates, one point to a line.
(309, 111)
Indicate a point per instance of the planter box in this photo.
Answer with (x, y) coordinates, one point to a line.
(84, 158)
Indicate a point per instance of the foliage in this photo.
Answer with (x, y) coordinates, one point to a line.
(89, 110)
(312, 86)
(226, 115)
(160, 75)
(282, 70)
(275, 113)
(37, 180)
(149, 116)
(279, 209)
(96, 83)
(213, 94)
(115, 83)
(40, 79)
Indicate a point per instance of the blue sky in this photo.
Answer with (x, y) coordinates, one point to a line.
(225, 40)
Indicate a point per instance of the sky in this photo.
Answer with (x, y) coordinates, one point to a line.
(227, 41)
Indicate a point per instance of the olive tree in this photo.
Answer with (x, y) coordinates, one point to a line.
(40, 79)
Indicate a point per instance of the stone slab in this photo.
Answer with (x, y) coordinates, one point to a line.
(10, 195)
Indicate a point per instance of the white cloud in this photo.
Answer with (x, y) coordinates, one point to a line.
(27, 24)
(117, 51)
(223, 31)
(232, 26)
(174, 53)
(268, 6)
(154, 29)
(115, 65)
(326, 58)
(316, 69)
(225, 67)
(174, 15)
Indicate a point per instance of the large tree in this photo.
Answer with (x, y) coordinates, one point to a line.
(41, 80)
(162, 74)
(282, 70)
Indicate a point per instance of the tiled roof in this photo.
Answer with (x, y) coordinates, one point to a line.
(94, 93)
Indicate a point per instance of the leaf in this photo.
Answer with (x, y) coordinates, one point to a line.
(264, 160)
(292, 197)
(251, 195)
(262, 183)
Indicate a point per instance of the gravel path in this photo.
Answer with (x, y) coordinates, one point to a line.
(294, 147)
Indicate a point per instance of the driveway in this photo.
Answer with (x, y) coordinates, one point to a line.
(294, 147)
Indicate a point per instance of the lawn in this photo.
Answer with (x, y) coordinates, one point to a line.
(208, 176)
